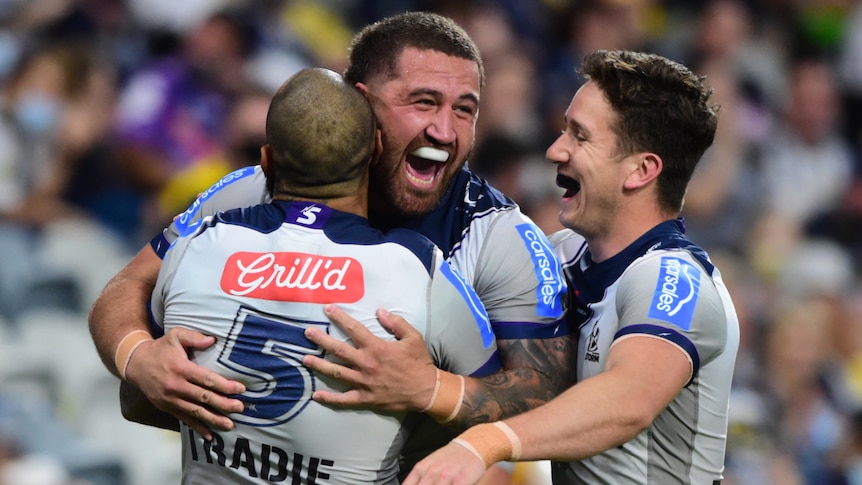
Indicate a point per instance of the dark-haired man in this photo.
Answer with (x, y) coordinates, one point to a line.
(256, 278)
(658, 333)
(423, 76)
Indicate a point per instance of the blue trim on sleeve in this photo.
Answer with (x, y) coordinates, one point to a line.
(529, 330)
(185, 222)
(160, 245)
(492, 366)
(155, 328)
(472, 299)
(667, 334)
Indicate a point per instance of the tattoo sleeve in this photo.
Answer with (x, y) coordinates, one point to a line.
(535, 371)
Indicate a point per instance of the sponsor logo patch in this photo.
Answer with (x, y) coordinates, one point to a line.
(186, 222)
(551, 287)
(676, 292)
(291, 276)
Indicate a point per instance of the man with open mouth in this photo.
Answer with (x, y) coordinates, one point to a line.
(423, 77)
(657, 330)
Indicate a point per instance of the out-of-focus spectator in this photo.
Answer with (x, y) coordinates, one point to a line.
(34, 98)
(78, 178)
(98, 183)
(579, 28)
(754, 452)
(797, 355)
(171, 113)
(722, 199)
(807, 165)
(244, 134)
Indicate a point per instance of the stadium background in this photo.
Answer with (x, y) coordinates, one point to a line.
(115, 114)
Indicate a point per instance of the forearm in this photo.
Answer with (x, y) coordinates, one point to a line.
(135, 407)
(642, 377)
(594, 416)
(535, 371)
(121, 308)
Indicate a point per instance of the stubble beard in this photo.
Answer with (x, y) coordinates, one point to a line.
(392, 194)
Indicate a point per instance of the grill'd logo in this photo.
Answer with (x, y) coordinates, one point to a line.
(290, 276)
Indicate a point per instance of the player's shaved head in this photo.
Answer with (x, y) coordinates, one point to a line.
(321, 132)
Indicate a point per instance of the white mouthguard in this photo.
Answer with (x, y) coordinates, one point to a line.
(429, 153)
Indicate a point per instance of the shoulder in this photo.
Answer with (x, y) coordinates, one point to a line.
(240, 188)
(568, 245)
(419, 245)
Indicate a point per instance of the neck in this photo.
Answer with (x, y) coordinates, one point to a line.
(352, 204)
(622, 232)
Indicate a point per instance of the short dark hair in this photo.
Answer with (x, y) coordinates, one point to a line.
(376, 48)
(321, 131)
(662, 107)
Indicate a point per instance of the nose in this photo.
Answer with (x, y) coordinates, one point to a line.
(557, 153)
(442, 127)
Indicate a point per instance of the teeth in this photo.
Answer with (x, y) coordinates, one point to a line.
(429, 153)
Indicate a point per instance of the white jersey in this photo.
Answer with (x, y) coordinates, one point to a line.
(483, 235)
(664, 286)
(256, 278)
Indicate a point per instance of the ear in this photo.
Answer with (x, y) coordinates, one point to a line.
(378, 147)
(363, 88)
(266, 159)
(646, 168)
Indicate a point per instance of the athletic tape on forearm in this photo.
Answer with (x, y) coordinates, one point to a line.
(127, 346)
(447, 397)
(491, 442)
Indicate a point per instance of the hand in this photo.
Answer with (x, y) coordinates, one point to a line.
(161, 369)
(386, 375)
(450, 465)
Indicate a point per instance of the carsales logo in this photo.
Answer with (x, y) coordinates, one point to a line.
(292, 276)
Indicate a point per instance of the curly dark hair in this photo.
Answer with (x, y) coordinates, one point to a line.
(376, 48)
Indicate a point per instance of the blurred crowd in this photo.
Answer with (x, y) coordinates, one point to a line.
(115, 114)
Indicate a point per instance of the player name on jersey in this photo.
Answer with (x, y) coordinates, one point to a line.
(269, 462)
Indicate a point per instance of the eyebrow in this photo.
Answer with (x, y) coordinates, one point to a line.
(570, 123)
(433, 92)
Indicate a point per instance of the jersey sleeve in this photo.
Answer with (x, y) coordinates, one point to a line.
(240, 188)
(568, 245)
(459, 334)
(669, 295)
(168, 269)
(519, 279)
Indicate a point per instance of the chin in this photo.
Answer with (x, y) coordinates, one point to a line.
(416, 209)
(568, 221)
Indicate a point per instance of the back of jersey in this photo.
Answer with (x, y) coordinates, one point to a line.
(256, 278)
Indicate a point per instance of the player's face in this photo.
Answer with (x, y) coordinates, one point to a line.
(588, 165)
(427, 113)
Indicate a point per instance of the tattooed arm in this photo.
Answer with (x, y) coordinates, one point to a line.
(399, 375)
(535, 371)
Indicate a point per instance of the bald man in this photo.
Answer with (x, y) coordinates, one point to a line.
(257, 278)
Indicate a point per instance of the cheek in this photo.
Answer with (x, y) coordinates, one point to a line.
(466, 136)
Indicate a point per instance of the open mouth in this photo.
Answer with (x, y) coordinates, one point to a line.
(571, 185)
(424, 165)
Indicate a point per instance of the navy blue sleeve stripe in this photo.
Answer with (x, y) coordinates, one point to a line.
(527, 330)
(155, 329)
(667, 334)
(490, 367)
(160, 245)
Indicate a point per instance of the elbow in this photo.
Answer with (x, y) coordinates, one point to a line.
(634, 423)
